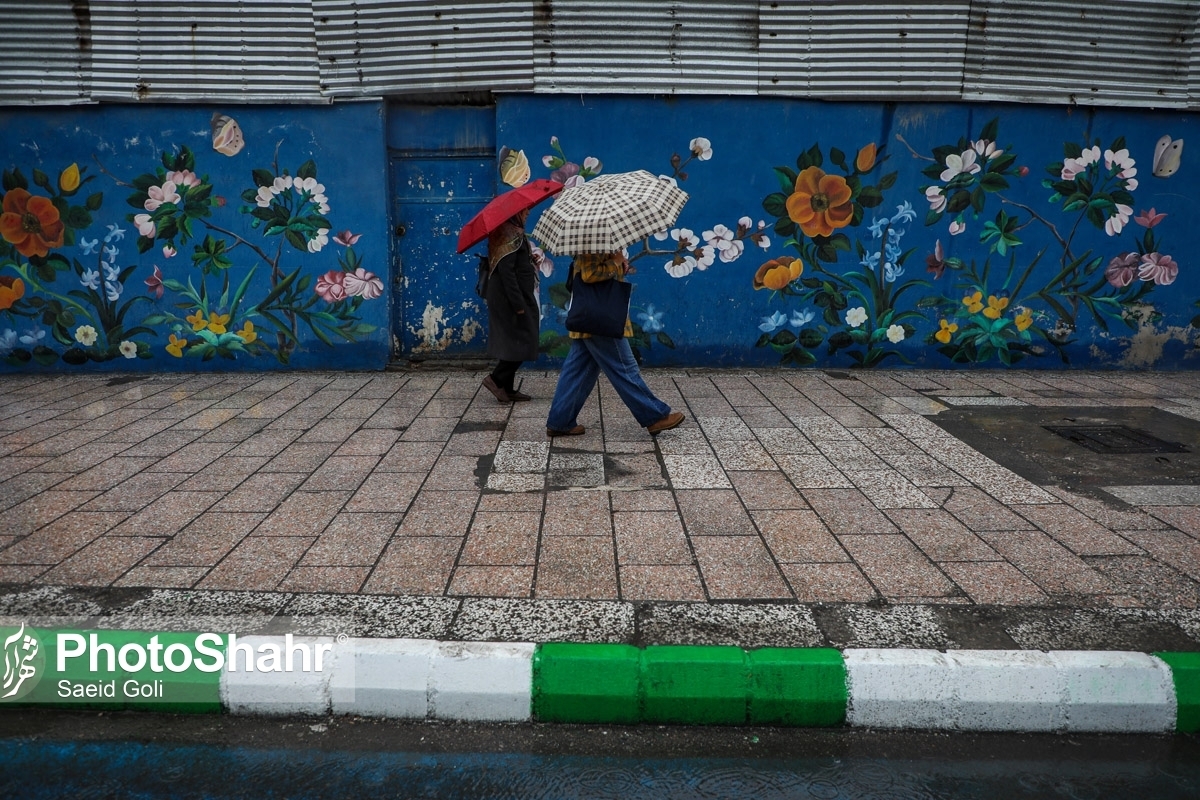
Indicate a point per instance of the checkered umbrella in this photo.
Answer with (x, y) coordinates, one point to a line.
(609, 212)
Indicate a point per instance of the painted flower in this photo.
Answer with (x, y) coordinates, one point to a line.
(32, 337)
(160, 195)
(592, 166)
(330, 286)
(264, 196)
(996, 306)
(128, 349)
(856, 316)
(183, 177)
(320, 240)
(115, 233)
(568, 171)
(865, 159)
(68, 179)
(946, 331)
(247, 333)
(986, 149)
(773, 322)
(895, 334)
(1024, 319)
(90, 278)
(974, 302)
(650, 319)
(935, 262)
(904, 213)
(85, 335)
(8, 340)
(1121, 269)
(112, 290)
(719, 237)
(31, 223)
(801, 318)
(1074, 166)
(957, 226)
(543, 262)
(680, 266)
(937, 200)
(87, 247)
(701, 148)
(175, 346)
(145, 225)
(778, 273)
(1117, 221)
(879, 226)
(1124, 165)
(1161, 269)
(820, 203)
(1148, 219)
(217, 323)
(361, 283)
(197, 320)
(346, 238)
(169, 251)
(308, 186)
(12, 289)
(956, 165)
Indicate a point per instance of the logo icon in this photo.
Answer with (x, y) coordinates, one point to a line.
(24, 663)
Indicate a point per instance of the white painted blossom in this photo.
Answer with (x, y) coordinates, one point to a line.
(986, 149)
(169, 251)
(895, 334)
(959, 165)
(856, 316)
(145, 225)
(115, 233)
(281, 184)
(732, 251)
(937, 200)
(591, 163)
(1074, 166)
(90, 278)
(719, 237)
(320, 240)
(160, 195)
(128, 349)
(32, 337)
(1116, 223)
(309, 185)
(680, 266)
(801, 318)
(8, 340)
(112, 290)
(704, 257)
(85, 335)
(701, 148)
(685, 237)
(264, 196)
(662, 236)
(957, 226)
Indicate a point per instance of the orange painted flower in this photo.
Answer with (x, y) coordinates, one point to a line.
(1024, 319)
(31, 223)
(68, 180)
(11, 290)
(820, 203)
(778, 273)
(996, 306)
(948, 329)
(176, 345)
(217, 323)
(974, 302)
(866, 157)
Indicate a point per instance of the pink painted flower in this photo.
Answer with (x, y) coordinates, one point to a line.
(161, 194)
(169, 251)
(1121, 269)
(346, 238)
(361, 283)
(183, 177)
(1148, 219)
(331, 286)
(145, 225)
(155, 284)
(1160, 269)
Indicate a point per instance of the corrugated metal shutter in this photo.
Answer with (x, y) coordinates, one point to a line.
(1106, 52)
(378, 47)
(647, 47)
(45, 50)
(882, 50)
(165, 50)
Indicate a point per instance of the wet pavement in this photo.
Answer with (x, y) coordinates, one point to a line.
(806, 500)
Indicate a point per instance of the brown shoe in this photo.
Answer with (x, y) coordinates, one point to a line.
(578, 430)
(666, 423)
(518, 397)
(492, 387)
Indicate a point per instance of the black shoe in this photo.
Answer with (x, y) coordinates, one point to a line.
(491, 386)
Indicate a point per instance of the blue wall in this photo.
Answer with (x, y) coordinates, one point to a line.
(1041, 257)
(185, 237)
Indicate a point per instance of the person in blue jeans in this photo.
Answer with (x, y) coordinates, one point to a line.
(590, 355)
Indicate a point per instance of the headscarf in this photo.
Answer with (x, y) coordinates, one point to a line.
(506, 239)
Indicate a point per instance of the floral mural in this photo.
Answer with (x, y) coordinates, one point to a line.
(163, 265)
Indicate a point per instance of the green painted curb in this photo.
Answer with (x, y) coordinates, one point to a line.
(698, 685)
(1185, 671)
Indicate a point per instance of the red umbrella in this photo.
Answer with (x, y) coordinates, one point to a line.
(503, 207)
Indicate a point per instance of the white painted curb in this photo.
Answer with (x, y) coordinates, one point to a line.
(279, 692)
(1010, 690)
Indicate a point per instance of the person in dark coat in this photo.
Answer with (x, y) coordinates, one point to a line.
(513, 310)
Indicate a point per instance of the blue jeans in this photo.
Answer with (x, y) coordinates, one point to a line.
(587, 358)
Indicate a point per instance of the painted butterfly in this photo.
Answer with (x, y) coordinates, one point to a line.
(1167, 154)
(226, 135)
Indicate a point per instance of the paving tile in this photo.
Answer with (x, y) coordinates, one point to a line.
(798, 536)
(1153, 584)
(696, 472)
(457, 472)
(301, 457)
(191, 457)
(576, 514)
(888, 489)
(521, 457)
(330, 431)
(340, 580)
(1171, 547)
(683, 441)
(502, 539)
(519, 501)
(714, 512)
(650, 537)
(258, 563)
(263, 491)
(386, 491)
(748, 455)
(766, 490)
(415, 566)
(340, 473)
(942, 537)
(368, 442)
(473, 443)
(649, 500)
(266, 443)
(31, 514)
(812, 472)
(302, 514)
(923, 470)
(850, 455)
(492, 581)
(725, 428)
(979, 512)
(206, 541)
(1047, 563)
(576, 567)
(1077, 532)
(829, 583)
(1111, 517)
(575, 469)
(101, 562)
(163, 577)
(739, 568)
(29, 485)
(430, 429)
(168, 515)
(994, 583)
(886, 442)
(61, 538)
(1185, 518)
(847, 511)
(634, 471)
(223, 475)
(352, 539)
(660, 582)
(896, 567)
(81, 459)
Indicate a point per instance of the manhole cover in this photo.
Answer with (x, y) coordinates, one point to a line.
(1115, 439)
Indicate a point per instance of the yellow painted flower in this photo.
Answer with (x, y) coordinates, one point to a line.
(778, 273)
(996, 306)
(197, 320)
(217, 322)
(948, 329)
(68, 181)
(247, 332)
(974, 302)
(176, 345)
(866, 157)
(1024, 319)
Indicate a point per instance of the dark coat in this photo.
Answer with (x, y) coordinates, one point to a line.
(512, 286)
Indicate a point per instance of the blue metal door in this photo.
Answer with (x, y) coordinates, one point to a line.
(438, 312)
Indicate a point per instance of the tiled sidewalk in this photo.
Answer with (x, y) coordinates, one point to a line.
(796, 486)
